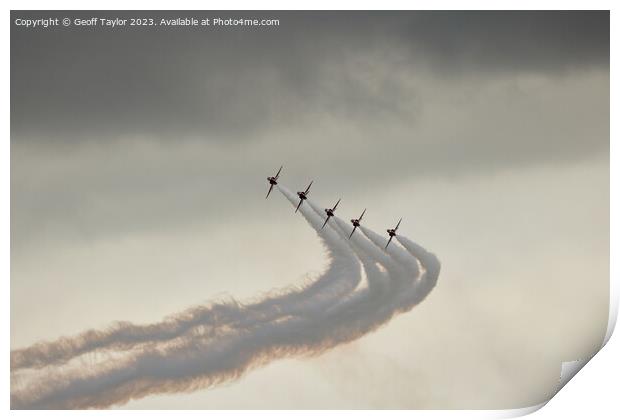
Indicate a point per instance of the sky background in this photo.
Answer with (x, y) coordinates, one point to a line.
(138, 166)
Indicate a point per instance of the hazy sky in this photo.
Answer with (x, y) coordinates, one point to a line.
(138, 165)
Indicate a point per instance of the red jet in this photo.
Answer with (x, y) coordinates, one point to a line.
(273, 180)
(330, 213)
(392, 232)
(303, 195)
(356, 223)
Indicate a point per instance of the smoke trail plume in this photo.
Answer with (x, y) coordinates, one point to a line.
(341, 276)
(176, 356)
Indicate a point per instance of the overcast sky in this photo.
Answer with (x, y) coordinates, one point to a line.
(139, 157)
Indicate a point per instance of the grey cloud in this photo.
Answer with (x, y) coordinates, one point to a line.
(135, 130)
(543, 41)
(231, 83)
(90, 190)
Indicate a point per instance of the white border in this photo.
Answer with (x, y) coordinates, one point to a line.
(580, 398)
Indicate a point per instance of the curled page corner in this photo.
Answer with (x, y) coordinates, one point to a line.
(520, 412)
(570, 369)
(567, 372)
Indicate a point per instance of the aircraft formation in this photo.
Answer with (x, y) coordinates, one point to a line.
(303, 196)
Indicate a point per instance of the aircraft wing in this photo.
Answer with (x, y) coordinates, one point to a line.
(389, 240)
(309, 185)
(299, 205)
(360, 219)
(353, 231)
(278, 174)
(269, 192)
(325, 222)
(401, 219)
(337, 202)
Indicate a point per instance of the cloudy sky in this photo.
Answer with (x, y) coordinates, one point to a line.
(138, 165)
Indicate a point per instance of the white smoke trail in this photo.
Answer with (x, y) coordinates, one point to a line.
(194, 362)
(411, 296)
(341, 276)
(431, 265)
